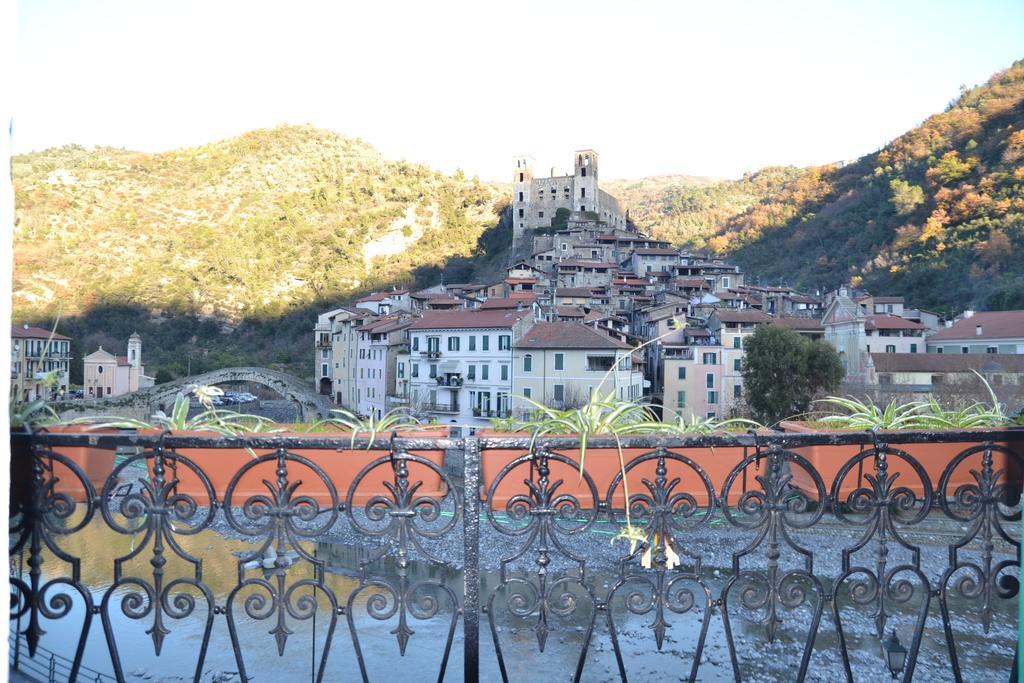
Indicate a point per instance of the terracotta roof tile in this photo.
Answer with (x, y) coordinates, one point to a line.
(994, 325)
(890, 322)
(567, 335)
(20, 332)
(797, 323)
(444, 320)
(728, 315)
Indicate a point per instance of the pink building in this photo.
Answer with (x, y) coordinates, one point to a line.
(109, 375)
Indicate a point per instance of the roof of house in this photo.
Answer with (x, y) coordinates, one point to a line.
(948, 362)
(680, 337)
(495, 303)
(881, 299)
(655, 251)
(569, 312)
(890, 322)
(567, 335)
(574, 291)
(450, 320)
(799, 323)
(29, 332)
(580, 263)
(746, 315)
(692, 282)
(384, 325)
(994, 325)
(380, 296)
(443, 301)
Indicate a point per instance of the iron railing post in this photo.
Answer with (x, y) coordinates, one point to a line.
(471, 560)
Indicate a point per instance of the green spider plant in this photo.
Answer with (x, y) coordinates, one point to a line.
(349, 421)
(867, 414)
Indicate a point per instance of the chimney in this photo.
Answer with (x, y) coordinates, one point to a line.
(977, 330)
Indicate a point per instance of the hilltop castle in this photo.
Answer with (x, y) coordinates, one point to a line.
(535, 200)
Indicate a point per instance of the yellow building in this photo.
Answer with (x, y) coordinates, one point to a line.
(34, 352)
(559, 363)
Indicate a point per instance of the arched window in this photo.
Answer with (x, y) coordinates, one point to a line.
(528, 363)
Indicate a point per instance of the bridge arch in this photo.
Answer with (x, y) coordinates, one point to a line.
(310, 403)
(143, 403)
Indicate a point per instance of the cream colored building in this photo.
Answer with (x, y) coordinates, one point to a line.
(345, 323)
(106, 374)
(34, 353)
(560, 363)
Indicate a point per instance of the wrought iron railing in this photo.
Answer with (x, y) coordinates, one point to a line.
(751, 556)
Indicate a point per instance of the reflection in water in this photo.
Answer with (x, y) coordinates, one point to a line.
(98, 546)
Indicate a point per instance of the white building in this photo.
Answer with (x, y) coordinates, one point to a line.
(460, 364)
(383, 303)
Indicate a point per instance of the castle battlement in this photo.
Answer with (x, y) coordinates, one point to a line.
(535, 201)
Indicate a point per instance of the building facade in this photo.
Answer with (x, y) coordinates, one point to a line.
(35, 353)
(560, 364)
(106, 374)
(460, 364)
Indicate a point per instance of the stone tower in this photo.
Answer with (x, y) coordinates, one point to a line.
(522, 186)
(585, 182)
(135, 350)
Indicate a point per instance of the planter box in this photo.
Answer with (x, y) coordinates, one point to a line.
(96, 463)
(602, 464)
(934, 457)
(221, 464)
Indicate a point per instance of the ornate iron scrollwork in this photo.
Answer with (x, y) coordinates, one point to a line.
(663, 511)
(879, 507)
(536, 515)
(40, 514)
(404, 521)
(770, 512)
(160, 512)
(280, 518)
(984, 505)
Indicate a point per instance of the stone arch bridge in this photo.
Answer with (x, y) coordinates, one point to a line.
(143, 403)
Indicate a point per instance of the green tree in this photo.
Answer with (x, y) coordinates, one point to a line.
(905, 197)
(784, 371)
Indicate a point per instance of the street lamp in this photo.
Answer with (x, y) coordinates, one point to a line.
(895, 654)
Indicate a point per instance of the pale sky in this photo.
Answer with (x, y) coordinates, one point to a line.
(704, 88)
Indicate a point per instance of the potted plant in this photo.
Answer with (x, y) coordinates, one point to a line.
(866, 415)
(340, 466)
(616, 418)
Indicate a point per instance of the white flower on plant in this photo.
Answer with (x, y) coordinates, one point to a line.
(206, 394)
(671, 558)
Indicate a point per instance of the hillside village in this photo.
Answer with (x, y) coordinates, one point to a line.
(595, 304)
